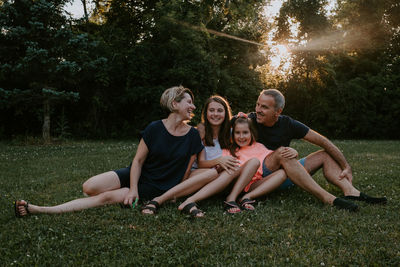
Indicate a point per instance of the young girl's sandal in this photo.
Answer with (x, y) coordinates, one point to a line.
(18, 212)
(232, 207)
(247, 204)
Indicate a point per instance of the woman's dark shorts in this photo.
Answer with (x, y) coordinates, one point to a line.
(146, 191)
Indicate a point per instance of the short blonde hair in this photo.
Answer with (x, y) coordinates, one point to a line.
(176, 93)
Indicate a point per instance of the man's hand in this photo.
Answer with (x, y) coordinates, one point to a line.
(289, 153)
(347, 174)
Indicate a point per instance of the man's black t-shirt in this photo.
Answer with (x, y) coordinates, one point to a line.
(281, 133)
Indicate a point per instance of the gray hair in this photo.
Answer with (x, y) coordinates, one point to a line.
(278, 97)
(176, 93)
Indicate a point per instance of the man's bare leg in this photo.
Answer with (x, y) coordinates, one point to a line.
(298, 175)
(331, 171)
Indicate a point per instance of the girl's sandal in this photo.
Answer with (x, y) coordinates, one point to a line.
(247, 204)
(232, 207)
(151, 208)
(193, 212)
(17, 211)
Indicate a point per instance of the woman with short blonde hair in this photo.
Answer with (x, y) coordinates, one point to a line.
(165, 153)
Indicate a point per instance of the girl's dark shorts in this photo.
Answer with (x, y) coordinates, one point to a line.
(146, 191)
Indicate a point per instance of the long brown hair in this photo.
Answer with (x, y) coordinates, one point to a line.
(241, 118)
(224, 131)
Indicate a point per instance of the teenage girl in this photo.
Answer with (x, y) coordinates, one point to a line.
(215, 133)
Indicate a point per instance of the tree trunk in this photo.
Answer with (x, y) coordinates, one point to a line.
(85, 10)
(46, 121)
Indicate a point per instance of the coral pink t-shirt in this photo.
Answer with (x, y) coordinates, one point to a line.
(256, 150)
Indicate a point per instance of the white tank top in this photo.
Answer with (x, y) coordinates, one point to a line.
(212, 152)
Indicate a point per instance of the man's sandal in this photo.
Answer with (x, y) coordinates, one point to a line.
(246, 204)
(368, 199)
(148, 206)
(193, 210)
(17, 205)
(232, 207)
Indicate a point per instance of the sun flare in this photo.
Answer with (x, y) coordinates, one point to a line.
(280, 57)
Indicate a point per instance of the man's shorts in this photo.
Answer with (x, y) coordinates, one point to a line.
(287, 183)
(146, 191)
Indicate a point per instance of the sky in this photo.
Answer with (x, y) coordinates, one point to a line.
(76, 8)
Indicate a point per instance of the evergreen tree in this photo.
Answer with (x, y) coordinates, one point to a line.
(40, 56)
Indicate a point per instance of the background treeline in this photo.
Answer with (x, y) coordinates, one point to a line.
(102, 76)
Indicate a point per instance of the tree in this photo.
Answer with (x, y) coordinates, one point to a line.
(343, 80)
(158, 44)
(40, 56)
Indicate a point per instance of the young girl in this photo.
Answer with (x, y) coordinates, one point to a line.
(245, 148)
(248, 167)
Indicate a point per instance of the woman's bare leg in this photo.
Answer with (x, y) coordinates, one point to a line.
(101, 183)
(109, 197)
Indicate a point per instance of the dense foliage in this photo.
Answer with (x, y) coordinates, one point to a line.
(345, 76)
(102, 76)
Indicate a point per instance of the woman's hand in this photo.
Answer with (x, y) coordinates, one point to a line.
(289, 153)
(228, 163)
(130, 197)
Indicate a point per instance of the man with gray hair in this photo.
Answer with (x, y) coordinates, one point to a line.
(276, 131)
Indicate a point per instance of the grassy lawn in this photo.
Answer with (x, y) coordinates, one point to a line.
(288, 228)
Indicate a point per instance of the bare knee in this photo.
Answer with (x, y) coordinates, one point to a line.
(281, 174)
(278, 154)
(254, 162)
(89, 189)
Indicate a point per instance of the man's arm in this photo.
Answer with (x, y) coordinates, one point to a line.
(319, 140)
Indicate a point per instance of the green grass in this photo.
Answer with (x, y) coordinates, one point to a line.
(288, 228)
